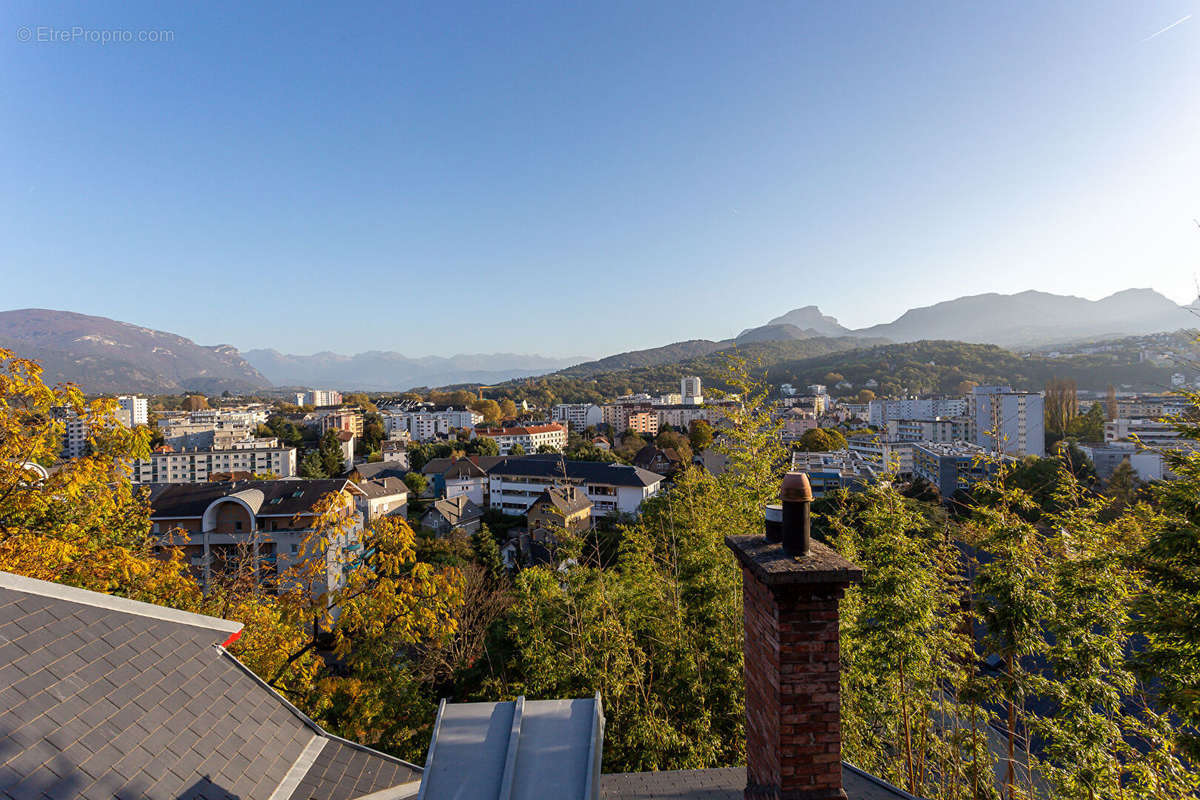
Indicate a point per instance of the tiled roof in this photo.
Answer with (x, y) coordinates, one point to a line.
(105, 697)
(725, 784)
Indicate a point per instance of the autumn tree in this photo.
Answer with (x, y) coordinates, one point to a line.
(820, 440)
(508, 409)
(195, 402)
(490, 410)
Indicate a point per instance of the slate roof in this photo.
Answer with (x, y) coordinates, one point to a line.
(183, 500)
(104, 697)
(464, 468)
(382, 487)
(380, 469)
(726, 784)
(457, 510)
(551, 466)
(567, 500)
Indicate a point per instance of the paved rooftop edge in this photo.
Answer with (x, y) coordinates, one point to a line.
(774, 567)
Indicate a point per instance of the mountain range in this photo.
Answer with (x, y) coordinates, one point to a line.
(376, 370)
(107, 356)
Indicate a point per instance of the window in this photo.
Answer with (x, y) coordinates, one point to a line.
(237, 526)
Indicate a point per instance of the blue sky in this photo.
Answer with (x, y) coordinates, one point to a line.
(452, 177)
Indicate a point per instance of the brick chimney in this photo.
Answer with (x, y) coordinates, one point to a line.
(791, 587)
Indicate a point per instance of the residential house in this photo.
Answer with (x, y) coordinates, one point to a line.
(466, 477)
(458, 513)
(664, 461)
(561, 508)
(382, 497)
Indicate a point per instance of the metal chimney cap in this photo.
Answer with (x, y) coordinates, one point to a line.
(795, 488)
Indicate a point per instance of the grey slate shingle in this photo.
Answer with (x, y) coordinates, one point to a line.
(113, 702)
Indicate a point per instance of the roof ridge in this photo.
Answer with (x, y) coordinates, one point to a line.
(307, 720)
(112, 602)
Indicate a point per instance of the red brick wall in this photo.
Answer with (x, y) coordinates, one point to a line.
(793, 691)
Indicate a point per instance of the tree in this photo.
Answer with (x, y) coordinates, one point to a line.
(1061, 405)
(416, 483)
(195, 402)
(547, 448)
(832, 379)
(700, 435)
(904, 649)
(517, 450)
(676, 441)
(1088, 427)
(483, 446)
(864, 396)
(333, 460)
(1170, 607)
(82, 524)
(490, 410)
(821, 440)
(508, 409)
(312, 465)
(1123, 485)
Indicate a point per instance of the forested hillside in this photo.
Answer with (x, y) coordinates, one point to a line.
(896, 369)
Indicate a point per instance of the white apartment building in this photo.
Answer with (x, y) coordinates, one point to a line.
(689, 387)
(931, 430)
(881, 410)
(195, 466)
(514, 484)
(887, 456)
(1149, 432)
(1009, 422)
(135, 410)
(528, 437)
(318, 398)
(577, 417)
(424, 426)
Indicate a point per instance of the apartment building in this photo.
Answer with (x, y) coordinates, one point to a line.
(515, 483)
(528, 437)
(880, 410)
(888, 456)
(940, 429)
(269, 521)
(134, 410)
(951, 466)
(1149, 465)
(1009, 422)
(1148, 432)
(578, 417)
(318, 398)
(689, 388)
(424, 426)
(834, 470)
(1155, 406)
(348, 420)
(256, 457)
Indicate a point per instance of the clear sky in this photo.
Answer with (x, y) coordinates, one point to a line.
(448, 177)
